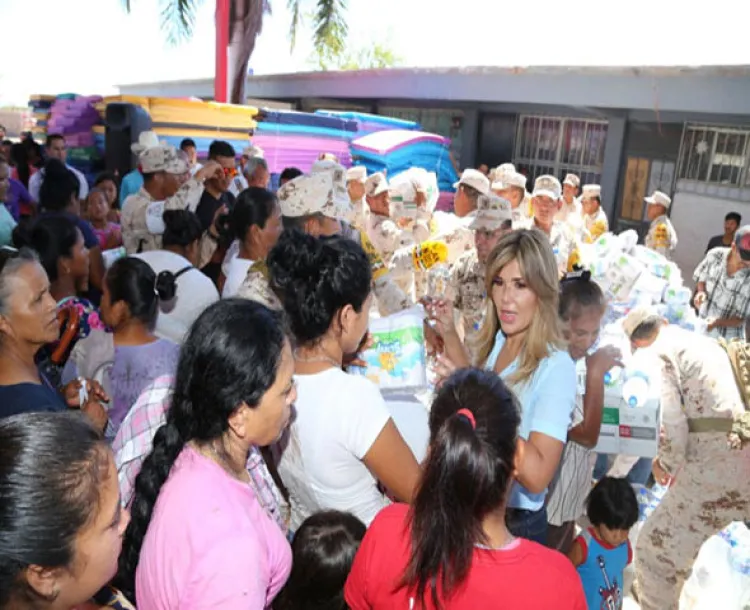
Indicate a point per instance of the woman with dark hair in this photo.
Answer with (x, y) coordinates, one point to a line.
(323, 551)
(179, 254)
(343, 439)
(58, 196)
(256, 223)
(61, 523)
(28, 321)
(582, 307)
(61, 250)
(200, 536)
(108, 184)
(130, 357)
(452, 549)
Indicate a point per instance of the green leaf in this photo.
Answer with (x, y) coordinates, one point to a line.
(178, 19)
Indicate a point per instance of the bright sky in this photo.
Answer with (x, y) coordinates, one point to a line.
(91, 46)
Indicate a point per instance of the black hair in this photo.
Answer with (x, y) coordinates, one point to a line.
(231, 356)
(612, 503)
(315, 278)
(647, 328)
(52, 238)
(578, 292)
(297, 223)
(466, 476)
(11, 260)
(734, 216)
(187, 143)
(220, 148)
(323, 551)
(109, 177)
(59, 186)
(290, 173)
(52, 466)
(134, 282)
(19, 155)
(181, 228)
(254, 206)
(52, 137)
(472, 193)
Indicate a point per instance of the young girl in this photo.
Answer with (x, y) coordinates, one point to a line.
(130, 358)
(107, 182)
(98, 208)
(322, 554)
(452, 548)
(602, 552)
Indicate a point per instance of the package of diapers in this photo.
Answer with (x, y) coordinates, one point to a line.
(397, 358)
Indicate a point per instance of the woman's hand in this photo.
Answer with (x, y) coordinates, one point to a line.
(353, 359)
(603, 359)
(444, 367)
(661, 476)
(441, 311)
(94, 410)
(92, 390)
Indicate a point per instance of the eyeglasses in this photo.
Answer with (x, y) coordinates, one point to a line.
(230, 172)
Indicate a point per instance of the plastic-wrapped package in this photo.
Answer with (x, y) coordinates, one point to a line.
(397, 359)
(403, 191)
(721, 572)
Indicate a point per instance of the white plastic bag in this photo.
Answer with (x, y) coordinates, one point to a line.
(721, 572)
(403, 190)
(397, 359)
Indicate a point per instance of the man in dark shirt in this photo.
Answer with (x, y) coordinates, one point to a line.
(731, 223)
(215, 195)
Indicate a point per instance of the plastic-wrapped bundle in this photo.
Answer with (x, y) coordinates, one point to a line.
(403, 191)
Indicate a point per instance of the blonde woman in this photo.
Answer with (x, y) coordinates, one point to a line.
(521, 341)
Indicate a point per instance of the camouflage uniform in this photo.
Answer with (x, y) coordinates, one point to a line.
(138, 217)
(699, 398)
(563, 242)
(572, 212)
(594, 226)
(662, 237)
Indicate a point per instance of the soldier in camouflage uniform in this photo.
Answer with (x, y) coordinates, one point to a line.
(545, 200)
(511, 185)
(662, 237)
(383, 232)
(710, 483)
(595, 222)
(310, 203)
(167, 186)
(570, 207)
(355, 184)
(494, 218)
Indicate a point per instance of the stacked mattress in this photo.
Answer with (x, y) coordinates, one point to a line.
(296, 139)
(40, 107)
(397, 150)
(371, 123)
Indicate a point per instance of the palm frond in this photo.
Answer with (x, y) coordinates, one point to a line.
(178, 19)
(294, 8)
(330, 24)
(126, 5)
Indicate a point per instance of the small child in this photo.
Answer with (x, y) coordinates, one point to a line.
(97, 210)
(602, 553)
(322, 554)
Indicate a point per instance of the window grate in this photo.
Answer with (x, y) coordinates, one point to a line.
(715, 155)
(560, 145)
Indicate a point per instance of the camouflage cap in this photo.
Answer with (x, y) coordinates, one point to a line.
(547, 186)
(162, 159)
(591, 190)
(312, 194)
(572, 180)
(338, 176)
(376, 184)
(510, 179)
(492, 213)
(635, 318)
(358, 173)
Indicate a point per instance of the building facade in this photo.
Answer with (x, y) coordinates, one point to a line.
(685, 131)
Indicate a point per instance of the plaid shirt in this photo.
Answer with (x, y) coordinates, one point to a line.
(726, 297)
(135, 439)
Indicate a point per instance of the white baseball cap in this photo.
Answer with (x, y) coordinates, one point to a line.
(659, 198)
(572, 180)
(475, 179)
(375, 185)
(358, 173)
(591, 190)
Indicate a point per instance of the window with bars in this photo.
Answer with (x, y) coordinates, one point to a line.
(715, 155)
(560, 145)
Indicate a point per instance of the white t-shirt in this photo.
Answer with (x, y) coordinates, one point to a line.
(238, 268)
(338, 417)
(35, 183)
(195, 292)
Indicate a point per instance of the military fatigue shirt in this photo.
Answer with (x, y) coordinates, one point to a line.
(662, 237)
(468, 292)
(388, 237)
(563, 242)
(594, 226)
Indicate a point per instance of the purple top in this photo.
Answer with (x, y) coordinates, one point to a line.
(134, 368)
(17, 195)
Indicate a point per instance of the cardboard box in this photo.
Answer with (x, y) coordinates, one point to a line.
(629, 430)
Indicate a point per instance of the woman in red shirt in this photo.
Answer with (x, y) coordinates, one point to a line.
(452, 550)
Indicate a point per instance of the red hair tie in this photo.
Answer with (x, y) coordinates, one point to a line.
(468, 415)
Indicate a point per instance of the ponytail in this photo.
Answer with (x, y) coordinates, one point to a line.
(473, 430)
(577, 292)
(132, 281)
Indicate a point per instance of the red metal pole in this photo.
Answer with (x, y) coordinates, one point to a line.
(221, 88)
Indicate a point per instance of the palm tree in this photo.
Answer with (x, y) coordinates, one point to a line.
(246, 23)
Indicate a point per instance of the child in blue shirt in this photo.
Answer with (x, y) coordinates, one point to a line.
(602, 552)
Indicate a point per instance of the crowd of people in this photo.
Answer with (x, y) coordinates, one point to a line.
(179, 427)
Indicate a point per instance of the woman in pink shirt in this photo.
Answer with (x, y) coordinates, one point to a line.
(200, 537)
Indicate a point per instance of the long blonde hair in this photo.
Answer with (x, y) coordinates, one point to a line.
(532, 249)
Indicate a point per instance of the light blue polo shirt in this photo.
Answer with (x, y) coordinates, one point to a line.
(547, 401)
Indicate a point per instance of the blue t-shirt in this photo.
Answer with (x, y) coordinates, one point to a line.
(547, 401)
(130, 185)
(29, 398)
(602, 571)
